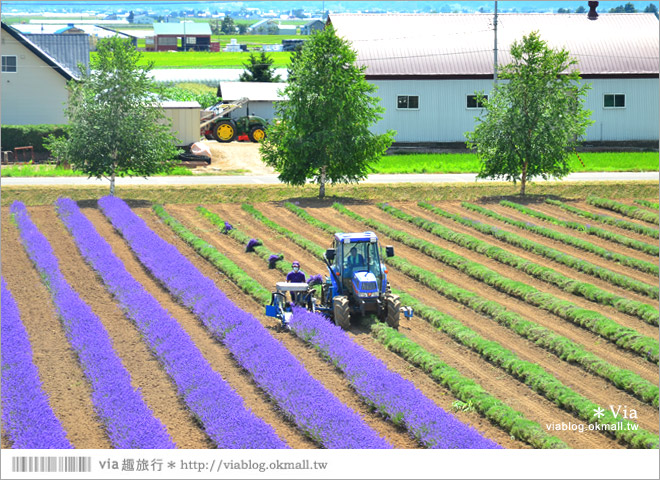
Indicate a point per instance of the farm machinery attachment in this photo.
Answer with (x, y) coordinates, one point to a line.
(356, 285)
(216, 123)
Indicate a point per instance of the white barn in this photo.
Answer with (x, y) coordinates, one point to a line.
(427, 68)
(263, 97)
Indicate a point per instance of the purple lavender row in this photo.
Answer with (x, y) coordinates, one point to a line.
(390, 394)
(128, 421)
(303, 399)
(27, 417)
(211, 399)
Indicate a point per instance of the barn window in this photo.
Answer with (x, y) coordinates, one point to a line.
(167, 41)
(614, 100)
(473, 102)
(9, 63)
(409, 102)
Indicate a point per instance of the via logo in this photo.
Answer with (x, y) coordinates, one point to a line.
(623, 412)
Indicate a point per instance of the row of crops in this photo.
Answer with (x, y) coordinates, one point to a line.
(280, 375)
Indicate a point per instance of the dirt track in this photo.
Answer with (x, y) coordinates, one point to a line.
(233, 156)
(69, 392)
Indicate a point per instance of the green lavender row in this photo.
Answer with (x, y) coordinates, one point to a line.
(541, 336)
(243, 239)
(300, 212)
(303, 242)
(591, 292)
(538, 334)
(617, 222)
(640, 265)
(646, 203)
(624, 337)
(466, 389)
(530, 374)
(591, 230)
(622, 208)
(551, 253)
(237, 275)
(546, 385)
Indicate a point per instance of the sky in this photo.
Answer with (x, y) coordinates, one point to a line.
(332, 5)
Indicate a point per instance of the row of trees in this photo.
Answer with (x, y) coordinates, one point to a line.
(531, 121)
(227, 27)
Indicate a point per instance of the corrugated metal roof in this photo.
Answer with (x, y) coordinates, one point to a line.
(462, 44)
(68, 49)
(182, 28)
(254, 91)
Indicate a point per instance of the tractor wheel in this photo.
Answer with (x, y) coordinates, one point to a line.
(257, 133)
(341, 312)
(225, 131)
(393, 309)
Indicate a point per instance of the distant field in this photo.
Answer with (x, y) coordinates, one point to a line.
(207, 59)
(250, 40)
(469, 163)
(11, 19)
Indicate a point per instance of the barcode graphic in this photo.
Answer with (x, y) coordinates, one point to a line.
(51, 464)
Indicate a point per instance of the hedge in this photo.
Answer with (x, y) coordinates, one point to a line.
(29, 135)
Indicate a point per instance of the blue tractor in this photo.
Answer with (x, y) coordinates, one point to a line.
(357, 284)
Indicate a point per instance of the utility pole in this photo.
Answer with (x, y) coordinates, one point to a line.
(495, 48)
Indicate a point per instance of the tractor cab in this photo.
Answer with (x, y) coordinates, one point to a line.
(357, 263)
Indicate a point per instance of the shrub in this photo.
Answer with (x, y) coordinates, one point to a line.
(29, 135)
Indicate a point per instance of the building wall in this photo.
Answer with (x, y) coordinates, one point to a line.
(35, 93)
(639, 120)
(443, 115)
(262, 109)
(185, 118)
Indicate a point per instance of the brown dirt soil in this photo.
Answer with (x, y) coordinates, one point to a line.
(227, 157)
(565, 215)
(69, 392)
(513, 273)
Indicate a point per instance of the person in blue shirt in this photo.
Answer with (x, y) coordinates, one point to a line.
(296, 276)
(355, 259)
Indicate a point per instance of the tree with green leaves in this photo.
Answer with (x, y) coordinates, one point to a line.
(259, 69)
(215, 27)
(627, 8)
(116, 126)
(535, 116)
(651, 8)
(228, 27)
(322, 132)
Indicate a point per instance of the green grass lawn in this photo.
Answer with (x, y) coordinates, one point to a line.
(414, 163)
(54, 171)
(207, 59)
(469, 163)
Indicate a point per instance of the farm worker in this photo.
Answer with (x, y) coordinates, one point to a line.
(355, 259)
(296, 276)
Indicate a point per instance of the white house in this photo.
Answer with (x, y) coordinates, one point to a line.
(427, 68)
(33, 81)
